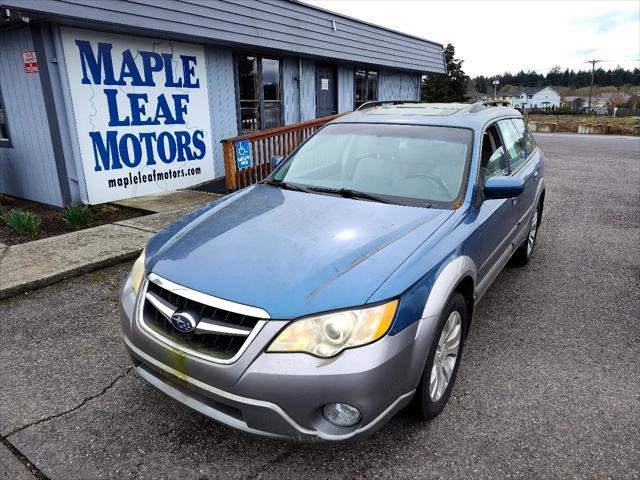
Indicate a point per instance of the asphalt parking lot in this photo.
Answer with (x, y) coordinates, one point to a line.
(549, 384)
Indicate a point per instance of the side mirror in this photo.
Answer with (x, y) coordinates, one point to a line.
(276, 160)
(503, 187)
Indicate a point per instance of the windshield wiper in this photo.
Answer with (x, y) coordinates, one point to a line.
(287, 186)
(344, 192)
(350, 193)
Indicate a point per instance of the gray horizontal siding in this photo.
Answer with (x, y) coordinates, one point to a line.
(274, 24)
(28, 167)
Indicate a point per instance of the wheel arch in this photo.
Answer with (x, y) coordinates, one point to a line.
(466, 286)
(457, 275)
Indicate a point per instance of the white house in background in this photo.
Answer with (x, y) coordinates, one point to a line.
(533, 97)
(479, 96)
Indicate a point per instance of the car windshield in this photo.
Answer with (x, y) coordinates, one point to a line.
(409, 164)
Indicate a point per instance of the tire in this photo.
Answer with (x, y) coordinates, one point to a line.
(429, 401)
(525, 251)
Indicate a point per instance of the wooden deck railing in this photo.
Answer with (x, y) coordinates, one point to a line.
(279, 141)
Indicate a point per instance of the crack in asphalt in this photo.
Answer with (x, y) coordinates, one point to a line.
(29, 465)
(71, 410)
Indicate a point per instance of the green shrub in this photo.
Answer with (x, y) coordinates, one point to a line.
(563, 110)
(22, 222)
(77, 215)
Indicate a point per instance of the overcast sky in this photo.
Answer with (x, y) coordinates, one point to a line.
(496, 36)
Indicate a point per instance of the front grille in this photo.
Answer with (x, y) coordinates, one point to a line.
(216, 345)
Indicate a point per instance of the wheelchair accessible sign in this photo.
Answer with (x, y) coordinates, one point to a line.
(244, 159)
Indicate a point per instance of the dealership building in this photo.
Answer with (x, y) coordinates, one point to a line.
(102, 100)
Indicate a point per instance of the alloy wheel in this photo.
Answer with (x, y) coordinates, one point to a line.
(446, 356)
(532, 232)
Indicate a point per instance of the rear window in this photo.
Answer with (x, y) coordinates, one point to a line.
(513, 143)
(527, 139)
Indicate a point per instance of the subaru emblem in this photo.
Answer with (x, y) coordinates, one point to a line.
(184, 321)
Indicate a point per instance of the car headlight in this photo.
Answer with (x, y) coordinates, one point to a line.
(329, 334)
(137, 272)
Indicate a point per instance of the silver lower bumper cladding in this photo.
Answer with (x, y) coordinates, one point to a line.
(242, 412)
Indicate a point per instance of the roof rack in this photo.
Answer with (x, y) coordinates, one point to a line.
(377, 103)
(476, 107)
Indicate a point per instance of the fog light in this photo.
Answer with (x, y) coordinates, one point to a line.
(341, 414)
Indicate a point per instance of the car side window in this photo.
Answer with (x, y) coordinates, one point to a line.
(493, 161)
(528, 142)
(514, 143)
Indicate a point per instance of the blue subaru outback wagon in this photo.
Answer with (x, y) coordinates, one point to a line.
(316, 304)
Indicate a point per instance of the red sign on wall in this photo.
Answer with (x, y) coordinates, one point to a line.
(30, 62)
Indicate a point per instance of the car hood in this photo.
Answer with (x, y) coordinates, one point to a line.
(290, 253)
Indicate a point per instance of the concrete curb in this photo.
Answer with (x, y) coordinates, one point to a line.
(27, 286)
(42, 262)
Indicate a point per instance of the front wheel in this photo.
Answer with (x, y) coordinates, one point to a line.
(442, 364)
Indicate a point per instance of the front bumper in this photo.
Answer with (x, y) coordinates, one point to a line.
(282, 394)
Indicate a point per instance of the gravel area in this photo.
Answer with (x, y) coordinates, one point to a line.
(548, 386)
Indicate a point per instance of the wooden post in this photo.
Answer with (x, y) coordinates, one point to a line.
(229, 164)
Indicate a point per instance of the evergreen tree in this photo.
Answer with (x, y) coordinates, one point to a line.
(618, 77)
(554, 77)
(448, 87)
(482, 85)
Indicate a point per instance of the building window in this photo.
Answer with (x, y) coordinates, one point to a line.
(366, 83)
(4, 130)
(259, 92)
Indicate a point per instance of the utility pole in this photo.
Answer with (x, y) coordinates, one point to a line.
(593, 67)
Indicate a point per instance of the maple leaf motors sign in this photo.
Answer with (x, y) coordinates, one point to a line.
(141, 111)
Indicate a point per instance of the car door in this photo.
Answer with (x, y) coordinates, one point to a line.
(530, 170)
(496, 218)
(524, 163)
